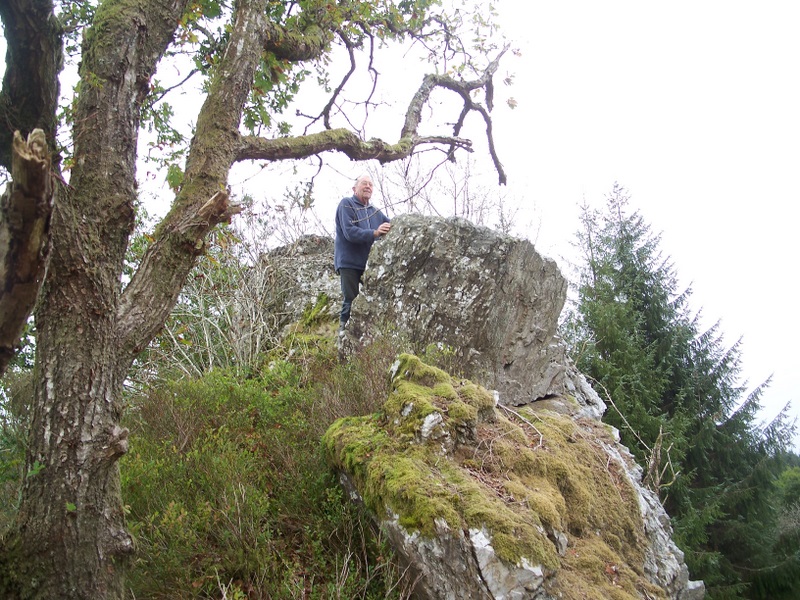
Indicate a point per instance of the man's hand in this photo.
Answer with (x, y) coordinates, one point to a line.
(382, 229)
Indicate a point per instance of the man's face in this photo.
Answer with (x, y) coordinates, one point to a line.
(363, 189)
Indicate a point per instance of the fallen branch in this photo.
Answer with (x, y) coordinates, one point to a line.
(526, 421)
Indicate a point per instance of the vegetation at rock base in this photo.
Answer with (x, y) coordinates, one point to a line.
(675, 394)
(226, 488)
(226, 479)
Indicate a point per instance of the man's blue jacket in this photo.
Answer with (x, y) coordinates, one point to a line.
(355, 226)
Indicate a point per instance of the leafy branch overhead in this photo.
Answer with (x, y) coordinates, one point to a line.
(284, 47)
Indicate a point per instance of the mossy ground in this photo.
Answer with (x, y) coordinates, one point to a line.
(520, 478)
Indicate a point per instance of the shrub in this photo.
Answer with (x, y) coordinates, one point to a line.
(229, 495)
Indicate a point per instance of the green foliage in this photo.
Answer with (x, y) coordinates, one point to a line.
(316, 314)
(225, 317)
(675, 395)
(227, 490)
(780, 581)
(789, 486)
(174, 177)
(275, 86)
(75, 16)
(16, 391)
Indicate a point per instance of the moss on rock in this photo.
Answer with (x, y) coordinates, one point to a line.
(525, 478)
(318, 313)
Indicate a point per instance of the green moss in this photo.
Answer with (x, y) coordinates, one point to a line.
(515, 534)
(418, 494)
(591, 570)
(407, 407)
(475, 395)
(317, 314)
(410, 368)
(351, 442)
(516, 483)
(462, 413)
(542, 498)
(445, 391)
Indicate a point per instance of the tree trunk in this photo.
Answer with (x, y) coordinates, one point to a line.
(73, 542)
(73, 538)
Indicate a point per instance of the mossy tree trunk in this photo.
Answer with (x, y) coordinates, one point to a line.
(73, 539)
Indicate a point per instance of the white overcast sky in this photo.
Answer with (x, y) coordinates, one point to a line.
(694, 107)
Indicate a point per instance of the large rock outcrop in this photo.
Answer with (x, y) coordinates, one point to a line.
(491, 298)
(300, 273)
(481, 499)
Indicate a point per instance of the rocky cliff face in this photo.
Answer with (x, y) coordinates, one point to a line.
(520, 492)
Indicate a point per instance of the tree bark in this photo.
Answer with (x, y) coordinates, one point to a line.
(29, 97)
(73, 541)
(24, 237)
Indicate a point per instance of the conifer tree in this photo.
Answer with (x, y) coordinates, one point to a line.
(675, 393)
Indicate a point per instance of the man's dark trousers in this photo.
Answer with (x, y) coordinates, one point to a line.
(350, 278)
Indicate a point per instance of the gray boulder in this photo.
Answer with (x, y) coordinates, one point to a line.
(491, 298)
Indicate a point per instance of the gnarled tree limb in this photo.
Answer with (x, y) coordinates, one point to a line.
(25, 210)
(341, 140)
(350, 144)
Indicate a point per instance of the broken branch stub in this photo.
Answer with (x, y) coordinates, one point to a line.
(25, 210)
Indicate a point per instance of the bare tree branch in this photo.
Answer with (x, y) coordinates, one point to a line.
(464, 89)
(25, 210)
(326, 111)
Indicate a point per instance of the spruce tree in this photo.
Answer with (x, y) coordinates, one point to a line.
(675, 393)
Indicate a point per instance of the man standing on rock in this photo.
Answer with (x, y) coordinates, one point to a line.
(358, 225)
